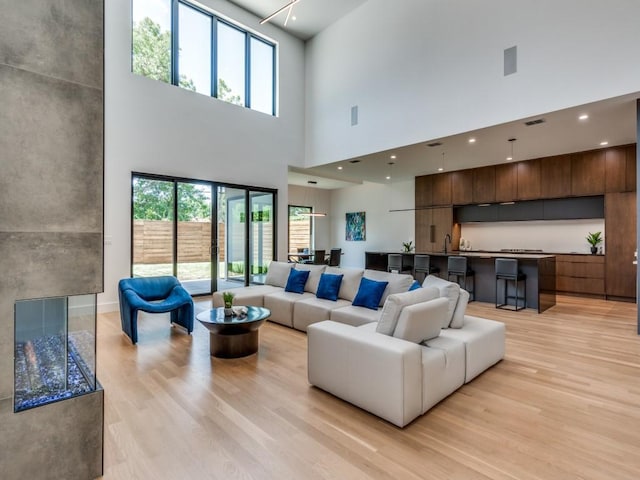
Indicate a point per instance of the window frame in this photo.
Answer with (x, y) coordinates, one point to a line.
(215, 18)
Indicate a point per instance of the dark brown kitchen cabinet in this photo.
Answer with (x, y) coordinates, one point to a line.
(484, 184)
(506, 182)
(615, 161)
(432, 224)
(581, 274)
(555, 176)
(620, 244)
(462, 187)
(630, 180)
(441, 188)
(528, 180)
(424, 191)
(587, 173)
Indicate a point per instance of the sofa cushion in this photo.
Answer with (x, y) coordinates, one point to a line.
(354, 316)
(311, 310)
(421, 321)
(314, 275)
(281, 305)
(297, 280)
(329, 286)
(457, 321)
(350, 281)
(398, 282)
(443, 369)
(369, 293)
(395, 303)
(251, 295)
(278, 273)
(449, 290)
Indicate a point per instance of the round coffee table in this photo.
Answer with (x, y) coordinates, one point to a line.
(233, 336)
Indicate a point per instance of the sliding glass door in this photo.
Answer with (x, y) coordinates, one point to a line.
(210, 235)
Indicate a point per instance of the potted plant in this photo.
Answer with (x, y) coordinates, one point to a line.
(594, 239)
(227, 297)
(407, 246)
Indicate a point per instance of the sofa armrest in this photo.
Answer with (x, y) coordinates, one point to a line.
(376, 372)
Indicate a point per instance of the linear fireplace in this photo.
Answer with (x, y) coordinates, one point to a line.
(54, 349)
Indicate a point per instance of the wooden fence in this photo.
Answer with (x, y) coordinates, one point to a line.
(153, 241)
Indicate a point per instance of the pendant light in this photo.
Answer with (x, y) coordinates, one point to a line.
(511, 141)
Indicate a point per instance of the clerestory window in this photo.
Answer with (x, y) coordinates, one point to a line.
(183, 44)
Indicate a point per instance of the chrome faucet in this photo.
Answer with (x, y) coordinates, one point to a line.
(447, 236)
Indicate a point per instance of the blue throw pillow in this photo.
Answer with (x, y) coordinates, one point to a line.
(296, 281)
(329, 286)
(369, 293)
(415, 285)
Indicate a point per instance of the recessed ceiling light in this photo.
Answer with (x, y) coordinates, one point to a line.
(472, 140)
(388, 177)
(602, 144)
(392, 157)
(340, 167)
(584, 116)
(440, 169)
(509, 159)
(294, 18)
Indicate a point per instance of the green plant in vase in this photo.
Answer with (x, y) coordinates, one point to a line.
(407, 246)
(594, 239)
(227, 297)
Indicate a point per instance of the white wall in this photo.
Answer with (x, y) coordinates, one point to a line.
(152, 127)
(320, 200)
(385, 231)
(424, 69)
(558, 236)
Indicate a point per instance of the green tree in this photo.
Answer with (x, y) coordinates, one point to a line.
(153, 200)
(152, 53)
(224, 93)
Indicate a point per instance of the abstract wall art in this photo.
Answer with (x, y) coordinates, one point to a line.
(356, 228)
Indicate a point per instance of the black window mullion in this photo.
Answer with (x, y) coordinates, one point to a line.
(273, 80)
(214, 56)
(247, 70)
(175, 43)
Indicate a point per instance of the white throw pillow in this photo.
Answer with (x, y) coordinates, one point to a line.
(394, 304)
(278, 273)
(449, 290)
(461, 307)
(421, 321)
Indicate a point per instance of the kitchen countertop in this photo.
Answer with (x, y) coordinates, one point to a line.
(482, 254)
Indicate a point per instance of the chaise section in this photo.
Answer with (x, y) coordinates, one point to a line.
(251, 295)
(484, 343)
(443, 368)
(378, 373)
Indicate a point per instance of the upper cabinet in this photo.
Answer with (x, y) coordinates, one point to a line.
(441, 189)
(424, 191)
(462, 187)
(587, 173)
(484, 184)
(556, 172)
(506, 182)
(581, 174)
(528, 180)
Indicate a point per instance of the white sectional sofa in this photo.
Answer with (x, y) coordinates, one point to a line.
(395, 359)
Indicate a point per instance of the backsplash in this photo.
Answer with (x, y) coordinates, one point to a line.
(557, 236)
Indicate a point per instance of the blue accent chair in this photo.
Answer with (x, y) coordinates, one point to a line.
(153, 295)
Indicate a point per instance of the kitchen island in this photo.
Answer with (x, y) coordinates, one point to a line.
(540, 269)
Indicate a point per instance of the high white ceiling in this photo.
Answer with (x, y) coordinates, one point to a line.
(612, 120)
(311, 16)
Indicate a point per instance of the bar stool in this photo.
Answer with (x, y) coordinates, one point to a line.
(422, 264)
(395, 264)
(457, 267)
(507, 270)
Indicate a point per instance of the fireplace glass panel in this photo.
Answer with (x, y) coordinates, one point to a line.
(54, 349)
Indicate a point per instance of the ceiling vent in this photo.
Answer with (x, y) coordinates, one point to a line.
(537, 121)
(312, 182)
(354, 161)
(434, 144)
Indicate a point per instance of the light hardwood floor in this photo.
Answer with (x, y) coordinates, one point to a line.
(563, 404)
